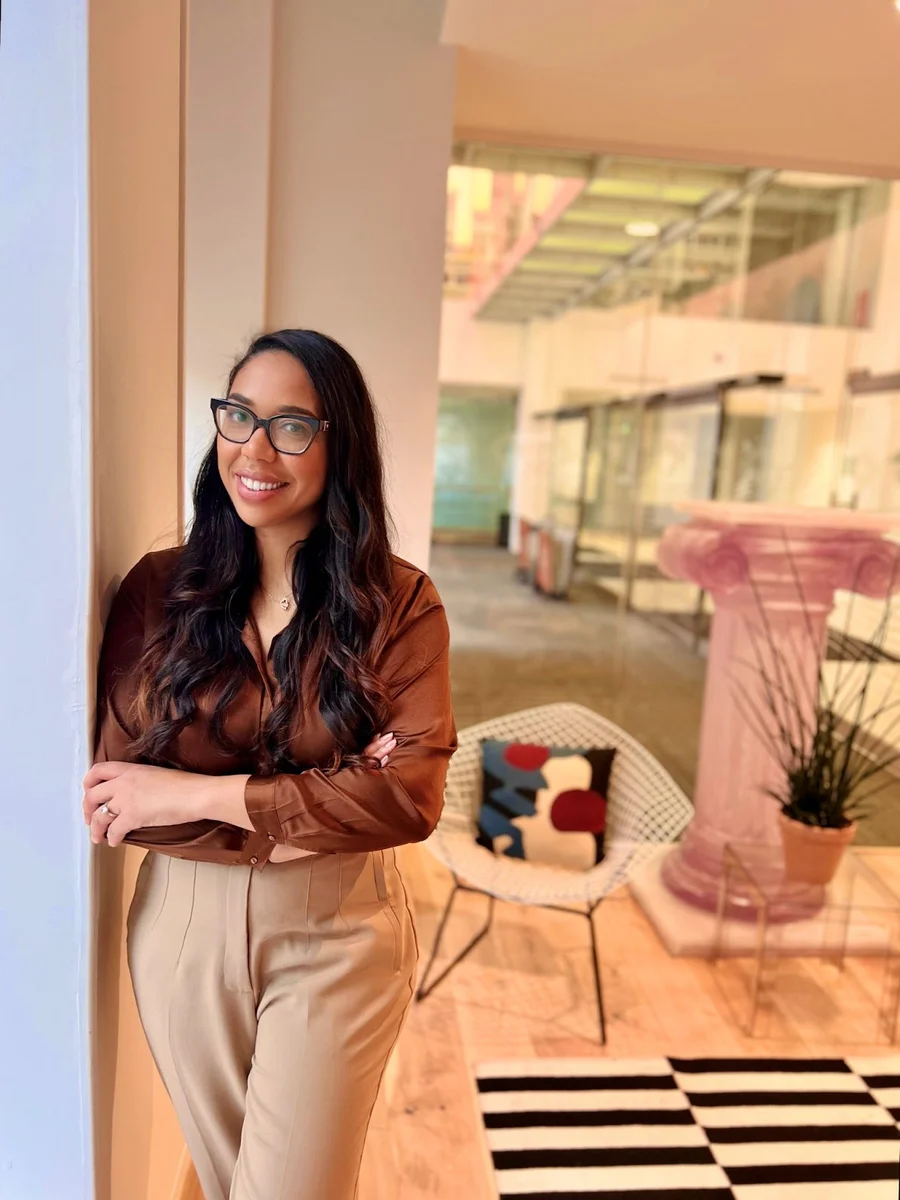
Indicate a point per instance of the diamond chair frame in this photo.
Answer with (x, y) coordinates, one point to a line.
(646, 808)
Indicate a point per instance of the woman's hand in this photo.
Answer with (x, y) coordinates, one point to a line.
(136, 796)
(381, 748)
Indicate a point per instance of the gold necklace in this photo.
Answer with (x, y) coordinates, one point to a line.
(285, 602)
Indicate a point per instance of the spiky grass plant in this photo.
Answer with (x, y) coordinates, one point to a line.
(820, 732)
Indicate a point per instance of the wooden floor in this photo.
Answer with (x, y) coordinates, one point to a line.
(527, 990)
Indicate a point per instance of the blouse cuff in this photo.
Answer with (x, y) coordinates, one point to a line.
(259, 798)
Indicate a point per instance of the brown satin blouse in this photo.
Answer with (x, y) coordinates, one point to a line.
(353, 809)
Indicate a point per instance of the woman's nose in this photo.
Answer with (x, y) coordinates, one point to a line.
(259, 446)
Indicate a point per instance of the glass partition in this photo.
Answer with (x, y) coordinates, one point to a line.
(646, 457)
(869, 480)
(778, 446)
(609, 489)
(567, 472)
(870, 469)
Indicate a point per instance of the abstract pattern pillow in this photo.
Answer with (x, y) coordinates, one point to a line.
(546, 804)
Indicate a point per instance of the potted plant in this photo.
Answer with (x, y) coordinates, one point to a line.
(823, 735)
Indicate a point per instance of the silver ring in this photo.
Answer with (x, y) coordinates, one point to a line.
(104, 810)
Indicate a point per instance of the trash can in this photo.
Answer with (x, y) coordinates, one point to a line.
(556, 563)
(526, 559)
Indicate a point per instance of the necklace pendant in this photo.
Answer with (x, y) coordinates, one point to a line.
(285, 603)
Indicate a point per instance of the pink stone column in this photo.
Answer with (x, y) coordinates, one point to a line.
(753, 559)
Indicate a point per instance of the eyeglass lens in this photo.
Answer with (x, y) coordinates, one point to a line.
(292, 435)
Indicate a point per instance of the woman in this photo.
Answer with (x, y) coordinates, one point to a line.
(270, 940)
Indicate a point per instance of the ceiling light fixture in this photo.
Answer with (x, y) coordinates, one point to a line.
(647, 229)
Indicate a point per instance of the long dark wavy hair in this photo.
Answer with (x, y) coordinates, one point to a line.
(341, 583)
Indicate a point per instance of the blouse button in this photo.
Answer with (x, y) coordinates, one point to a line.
(254, 860)
(271, 837)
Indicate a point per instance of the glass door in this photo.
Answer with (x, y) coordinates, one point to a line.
(679, 448)
(605, 537)
(567, 469)
(870, 471)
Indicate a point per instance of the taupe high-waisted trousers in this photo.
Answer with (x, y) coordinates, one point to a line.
(271, 1001)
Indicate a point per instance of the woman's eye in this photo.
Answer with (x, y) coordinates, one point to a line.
(292, 428)
(238, 417)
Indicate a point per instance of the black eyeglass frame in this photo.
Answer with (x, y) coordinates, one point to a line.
(314, 423)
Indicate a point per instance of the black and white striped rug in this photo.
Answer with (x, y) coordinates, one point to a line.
(693, 1129)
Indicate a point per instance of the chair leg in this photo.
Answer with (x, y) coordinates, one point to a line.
(424, 989)
(595, 963)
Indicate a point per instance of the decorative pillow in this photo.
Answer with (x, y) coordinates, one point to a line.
(545, 804)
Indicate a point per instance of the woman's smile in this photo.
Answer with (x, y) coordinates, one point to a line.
(256, 488)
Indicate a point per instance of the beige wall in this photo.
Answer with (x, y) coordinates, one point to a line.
(229, 77)
(135, 117)
(362, 112)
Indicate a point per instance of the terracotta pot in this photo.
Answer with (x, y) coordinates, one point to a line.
(813, 854)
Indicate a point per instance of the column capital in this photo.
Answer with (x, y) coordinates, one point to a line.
(712, 558)
(726, 546)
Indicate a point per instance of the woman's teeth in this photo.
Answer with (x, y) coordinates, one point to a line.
(255, 485)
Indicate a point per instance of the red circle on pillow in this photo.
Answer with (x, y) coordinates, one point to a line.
(579, 811)
(526, 757)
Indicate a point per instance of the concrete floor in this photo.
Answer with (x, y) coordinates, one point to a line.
(512, 649)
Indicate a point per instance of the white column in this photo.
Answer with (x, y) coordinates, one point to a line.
(531, 462)
(361, 129)
(228, 104)
(45, 1133)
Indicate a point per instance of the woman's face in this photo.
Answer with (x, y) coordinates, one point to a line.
(274, 384)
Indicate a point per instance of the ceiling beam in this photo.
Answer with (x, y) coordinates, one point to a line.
(672, 174)
(544, 277)
(570, 224)
(532, 295)
(621, 208)
(798, 200)
(512, 160)
(578, 254)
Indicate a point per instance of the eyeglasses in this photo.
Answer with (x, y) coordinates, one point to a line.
(287, 435)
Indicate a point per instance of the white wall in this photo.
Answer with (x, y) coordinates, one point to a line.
(45, 1130)
(480, 352)
(229, 76)
(362, 117)
(634, 350)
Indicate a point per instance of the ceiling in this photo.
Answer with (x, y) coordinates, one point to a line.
(613, 229)
(808, 84)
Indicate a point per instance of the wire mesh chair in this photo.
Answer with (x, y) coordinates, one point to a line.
(645, 808)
